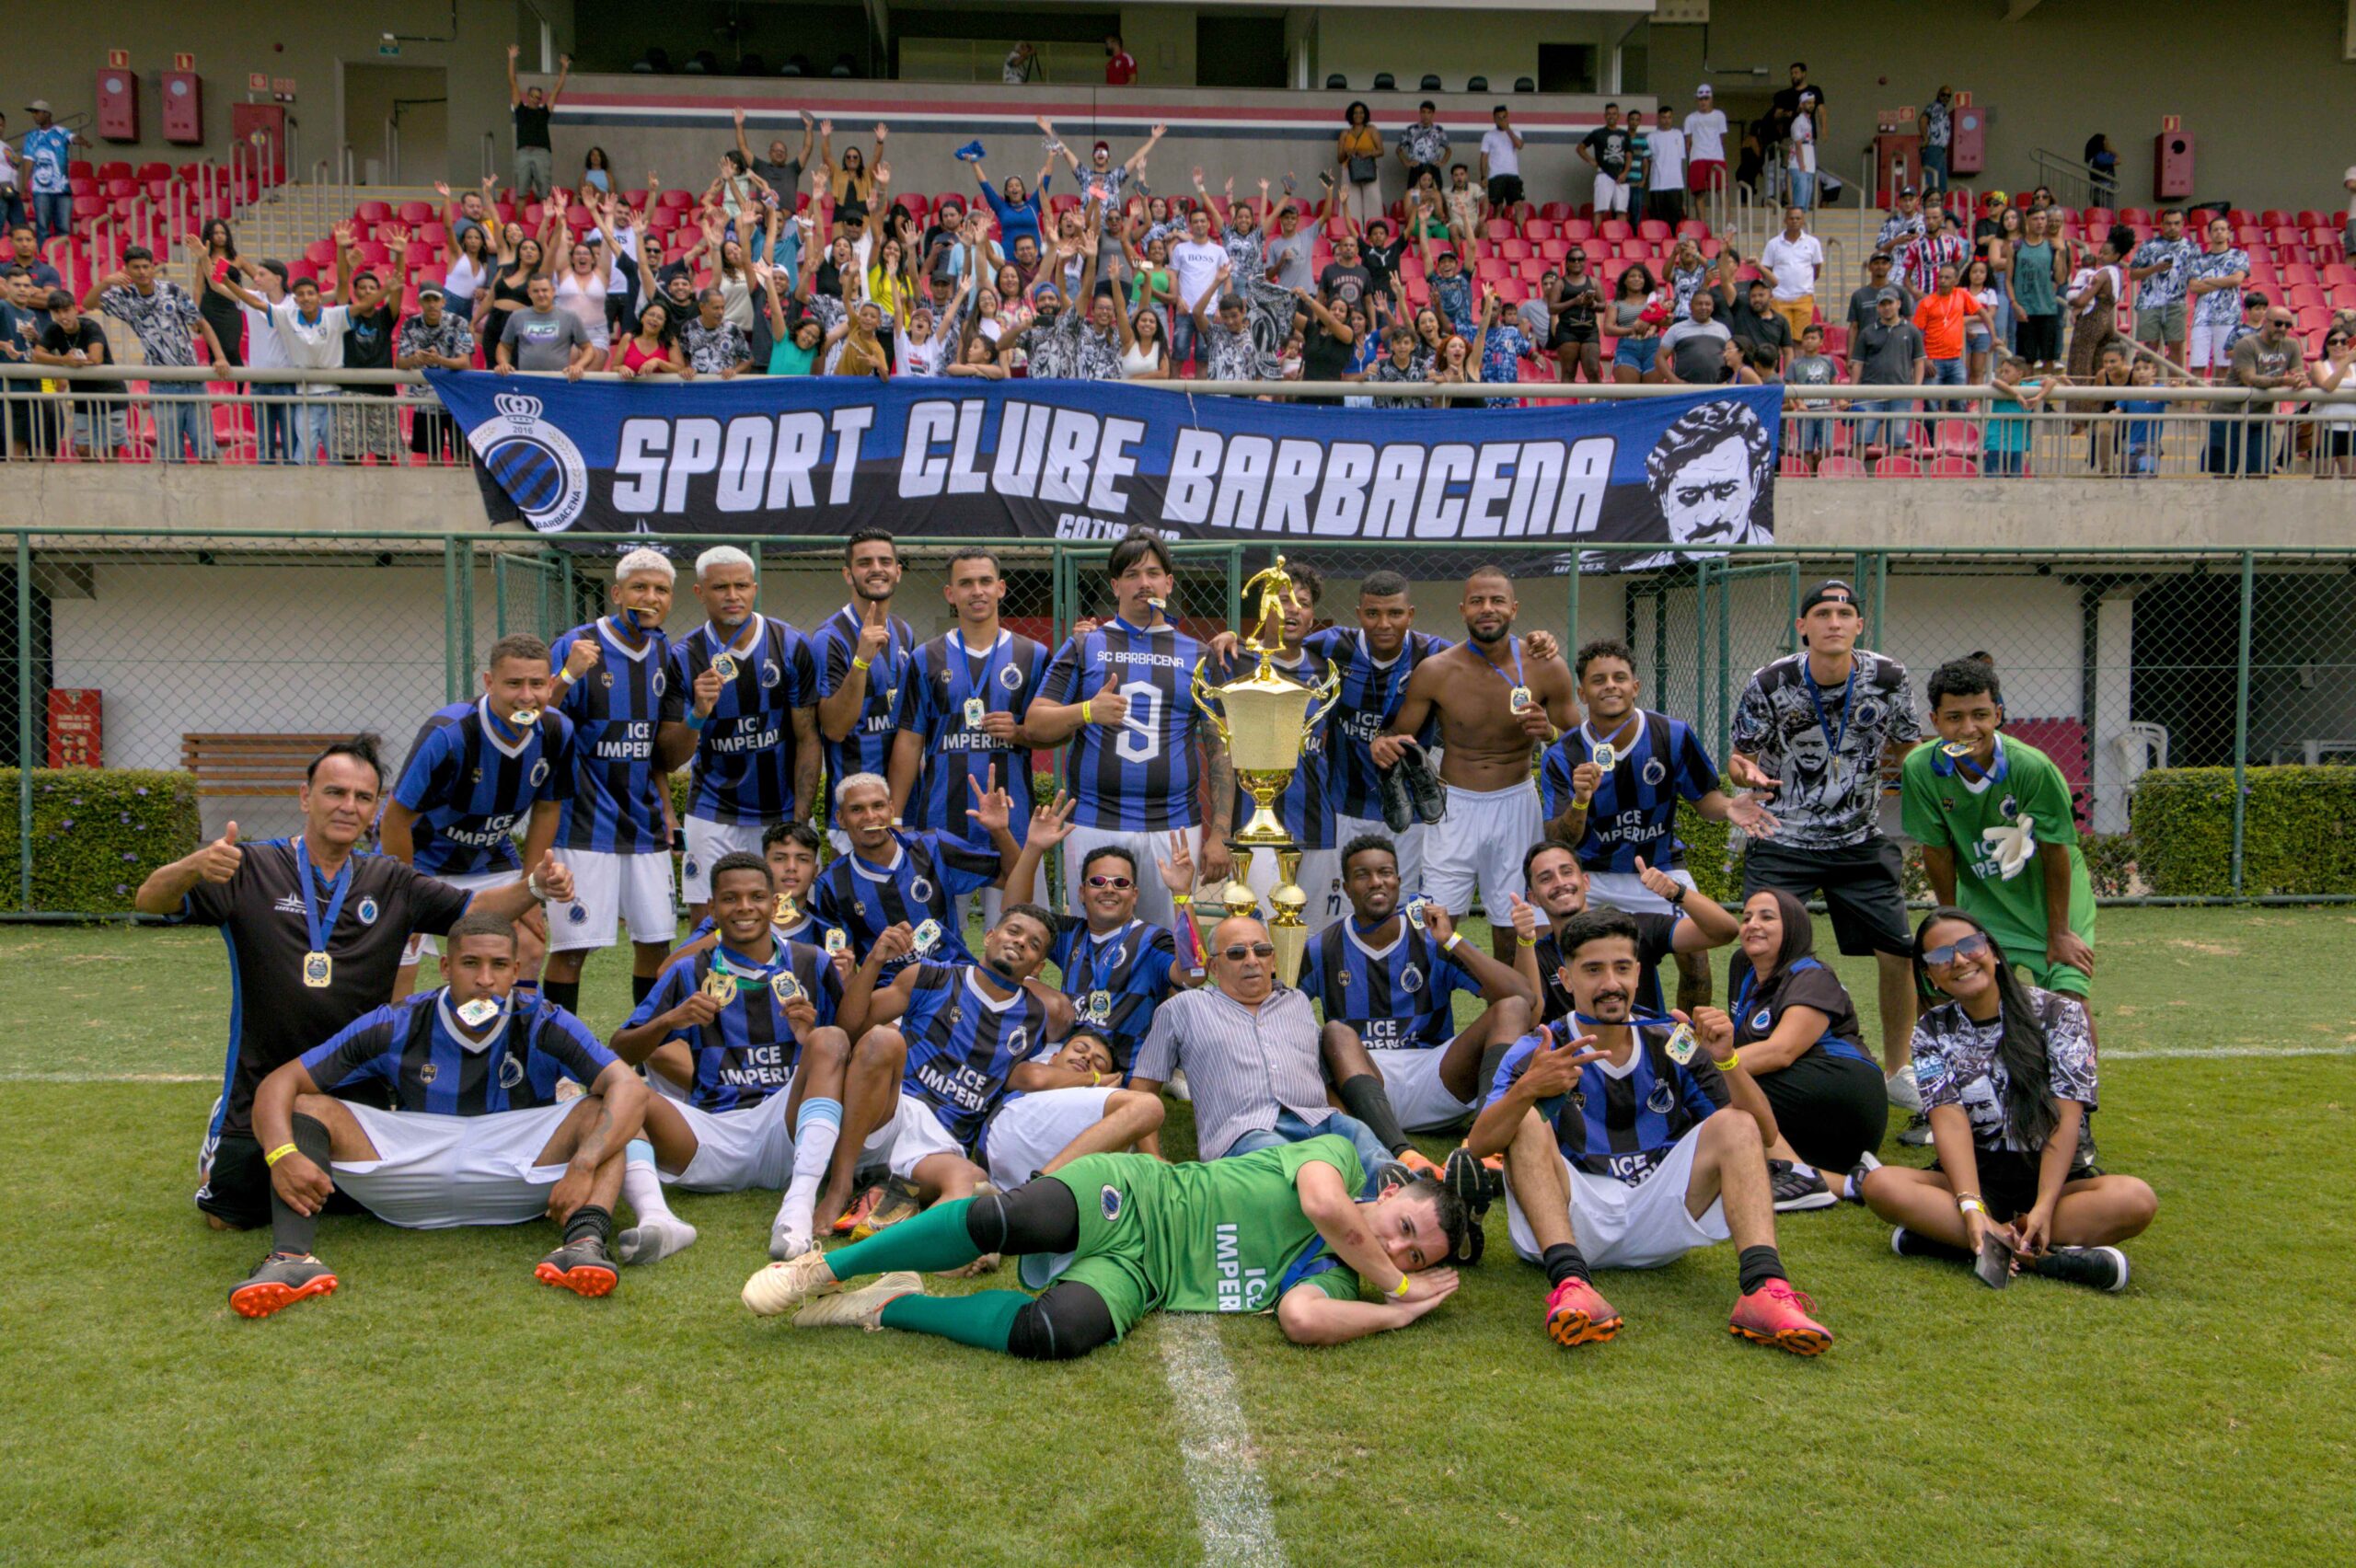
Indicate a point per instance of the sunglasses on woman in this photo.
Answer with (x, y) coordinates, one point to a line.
(1121, 884)
(1966, 947)
(1242, 951)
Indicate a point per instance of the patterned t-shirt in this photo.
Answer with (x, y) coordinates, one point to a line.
(1956, 1064)
(1424, 144)
(2219, 307)
(714, 350)
(1825, 745)
(163, 319)
(1234, 355)
(2165, 286)
(452, 338)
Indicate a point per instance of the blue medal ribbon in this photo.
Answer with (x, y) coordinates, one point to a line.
(1513, 646)
(1943, 764)
(1824, 720)
(998, 653)
(320, 929)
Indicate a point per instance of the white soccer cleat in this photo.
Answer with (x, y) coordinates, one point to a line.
(780, 1287)
(652, 1240)
(860, 1308)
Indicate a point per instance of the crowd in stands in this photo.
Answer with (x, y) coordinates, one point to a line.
(804, 257)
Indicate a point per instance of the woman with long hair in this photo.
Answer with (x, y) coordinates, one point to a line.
(1792, 1019)
(1634, 324)
(1431, 336)
(470, 268)
(2007, 1074)
(580, 293)
(221, 310)
(1358, 153)
(1144, 348)
(1979, 280)
(653, 348)
(596, 174)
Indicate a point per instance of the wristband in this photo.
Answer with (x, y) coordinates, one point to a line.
(1401, 1291)
(696, 720)
(280, 1152)
(861, 664)
(1678, 898)
(1182, 900)
(1524, 942)
(1733, 1060)
(1085, 716)
(1453, 938)
(1969, 1202)
(532, 885)
(565, 677)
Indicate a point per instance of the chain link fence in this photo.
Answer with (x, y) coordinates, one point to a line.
(177, 652)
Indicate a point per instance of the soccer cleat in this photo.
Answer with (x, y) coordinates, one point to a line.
(1917, 1134)
(281, 1280)
(1577, 1314)
(1417, 1161)
(1398, 811)
(2101, 1268)
(1797, 1190)
(860, 1207)
(1776, 1314)
(780, 1287)
(581, 1267)
(1914, 1245)
(650, 1241)
(860, 1308)
(1866, 1164)
(899, 1201)
(1470, 1179)
(1424, 787)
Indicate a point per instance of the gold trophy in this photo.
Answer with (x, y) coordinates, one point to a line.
(1267, 719)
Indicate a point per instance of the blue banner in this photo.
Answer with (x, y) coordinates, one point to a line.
(1088, 460)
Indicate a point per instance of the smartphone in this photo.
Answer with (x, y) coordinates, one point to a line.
(1994, 1265)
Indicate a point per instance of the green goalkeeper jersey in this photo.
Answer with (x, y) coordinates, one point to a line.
(1945, 806)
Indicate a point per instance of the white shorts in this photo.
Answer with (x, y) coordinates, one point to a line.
(433, 1172)
(707, 842)
(2206, 344)
(839, 840)
(1320, 877)
(739, 1149)
(910, 1136)
(635, 889)
(1411, 1080)
(421, 946)
(1620, 1227)
(1610, 195)
(991, 901)
(1149, 848)
(1409, 846)
(1031, 1129)
(1626, 891)
(1481, 841)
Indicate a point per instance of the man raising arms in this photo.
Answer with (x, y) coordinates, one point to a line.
(1495, 705)
(1375, 661)
(861, 652)
(612, 683)
(891, 876)
(752, 694)
(475, 770)
(477, 1134)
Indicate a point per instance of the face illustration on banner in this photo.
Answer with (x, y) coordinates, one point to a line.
(1087, 461)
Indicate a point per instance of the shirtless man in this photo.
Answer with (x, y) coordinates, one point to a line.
(1496, 700)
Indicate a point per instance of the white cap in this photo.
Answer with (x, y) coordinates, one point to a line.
(1704, 91)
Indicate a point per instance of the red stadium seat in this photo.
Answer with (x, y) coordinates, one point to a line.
(1654, 231)
(78, 169)
(2097, 217)
(2274, 217)
(2310, 218)
(2240, 217)
(1896, 467)
(1538, 230)
(374, 212)
(1693, 228)
(1497, 228)
(675, 200)
(1952, 467)
(1842, 468)
(116, 170)
(1555, 212)
(1617, 230)
(1513, 250)
(2134, 215)
(1579, 230)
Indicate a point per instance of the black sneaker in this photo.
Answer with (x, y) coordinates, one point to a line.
(1797, 1190)
(1914, 1245)
(2100, 1268)
(581, 1267)
(1473, 1182)
(1398, 811)
(1424, 787)
(1857, 1172)
(1918, 1132)
(281, 1280)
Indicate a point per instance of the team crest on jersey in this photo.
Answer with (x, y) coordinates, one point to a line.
(475, 777)
(1763, 1020)
(605, 679)
(1662, 1100)
(659, 683)
(427, 1073)
(956, 1015)
(1655, 770)
(1410, 979)
(691, 865)
(366, 911)
(920, 890)
(1108, 1201)
(1011, 678)
(770, 674)
(2010, 808)
(534, 461)
(510, 1072)
(578, 914)
(1868, 711)
(539, 772)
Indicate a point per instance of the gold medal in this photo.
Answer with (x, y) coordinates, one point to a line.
(784, 987)
(1414, 910)
(1607, 757)
(720, 985)
(1680, 1043)
(319, 970)
(837, 942)
(1953, 749)
(1518, 699)
(785, 914)
(524, 718)
(927, 935)
(723, 665)
(975, 712)
(477, 1012)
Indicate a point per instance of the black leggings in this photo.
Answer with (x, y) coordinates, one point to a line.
(1830, 1109)
(1070, 1319)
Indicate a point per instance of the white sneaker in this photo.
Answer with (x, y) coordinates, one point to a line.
(860, 1308)
(780, 1287)
(652, 1240)
(1904, 1093)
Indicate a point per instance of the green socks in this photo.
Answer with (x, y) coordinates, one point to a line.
(931, 1242)
(984, 1319)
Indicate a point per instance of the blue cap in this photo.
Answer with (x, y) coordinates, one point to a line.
(970, 153)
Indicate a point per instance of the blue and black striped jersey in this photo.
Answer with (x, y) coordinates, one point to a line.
(944, 676)
(1400, 996)
(1621, 1124)
(416, 1048)
(748, 1053)
(868, 747)
(617, 709)
(1127, 970)
(745, 757)
(926, 872)
(473, 780)
(1371, 692)
(1143, 775)
(963, 1042)
(1635, 809)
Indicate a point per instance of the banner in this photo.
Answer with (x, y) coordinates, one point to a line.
(1087, 460)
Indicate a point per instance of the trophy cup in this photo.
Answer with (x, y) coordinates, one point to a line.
(1266, 719)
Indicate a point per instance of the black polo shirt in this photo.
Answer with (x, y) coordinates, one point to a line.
(1656, 938)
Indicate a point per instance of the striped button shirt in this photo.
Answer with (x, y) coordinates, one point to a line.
(1244, 1065)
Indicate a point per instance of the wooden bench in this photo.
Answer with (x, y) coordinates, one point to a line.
(251, 765)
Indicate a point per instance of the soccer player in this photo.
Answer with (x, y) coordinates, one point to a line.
(759, 1018)
(315, 932)
(1306, 807)
(792, 851)
(1814, 729)
(861, 652)
(1388, 985)
(1282, 1228)
(1122, 695)
(475, 1136)
(1998, 832)
(961, 706)
(1617, 816)
(1558, 893)
(2008, 1072)
(1037, 1134)
(1495, 707)
(1375, 661)
(1620, 1156)
(891, 876)
(752, 700)
(612, 683)
(474, 772)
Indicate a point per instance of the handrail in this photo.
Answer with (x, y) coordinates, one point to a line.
(2056, 171)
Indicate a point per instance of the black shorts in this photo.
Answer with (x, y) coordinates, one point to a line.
(1861, 886)
(1830, 1109)
(1504, 189)
(1567, 333)
(2008, 1180)
(2039, 339)
(236, 1190)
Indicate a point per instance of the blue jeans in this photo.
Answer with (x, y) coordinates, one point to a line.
(313, 423)
(1181, 341)
(1291, 1129)
(53, 215)
(1934, 168)
(1803, 188)
(1947, 372)
(181, 426)
(1869, 434)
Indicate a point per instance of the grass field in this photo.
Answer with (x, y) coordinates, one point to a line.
(442, 1408)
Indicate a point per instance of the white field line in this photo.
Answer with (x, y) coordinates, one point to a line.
(1231, 1505)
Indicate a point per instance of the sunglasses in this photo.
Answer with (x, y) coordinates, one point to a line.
(1121, 884)
(1240, 951)
(1969, 947)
